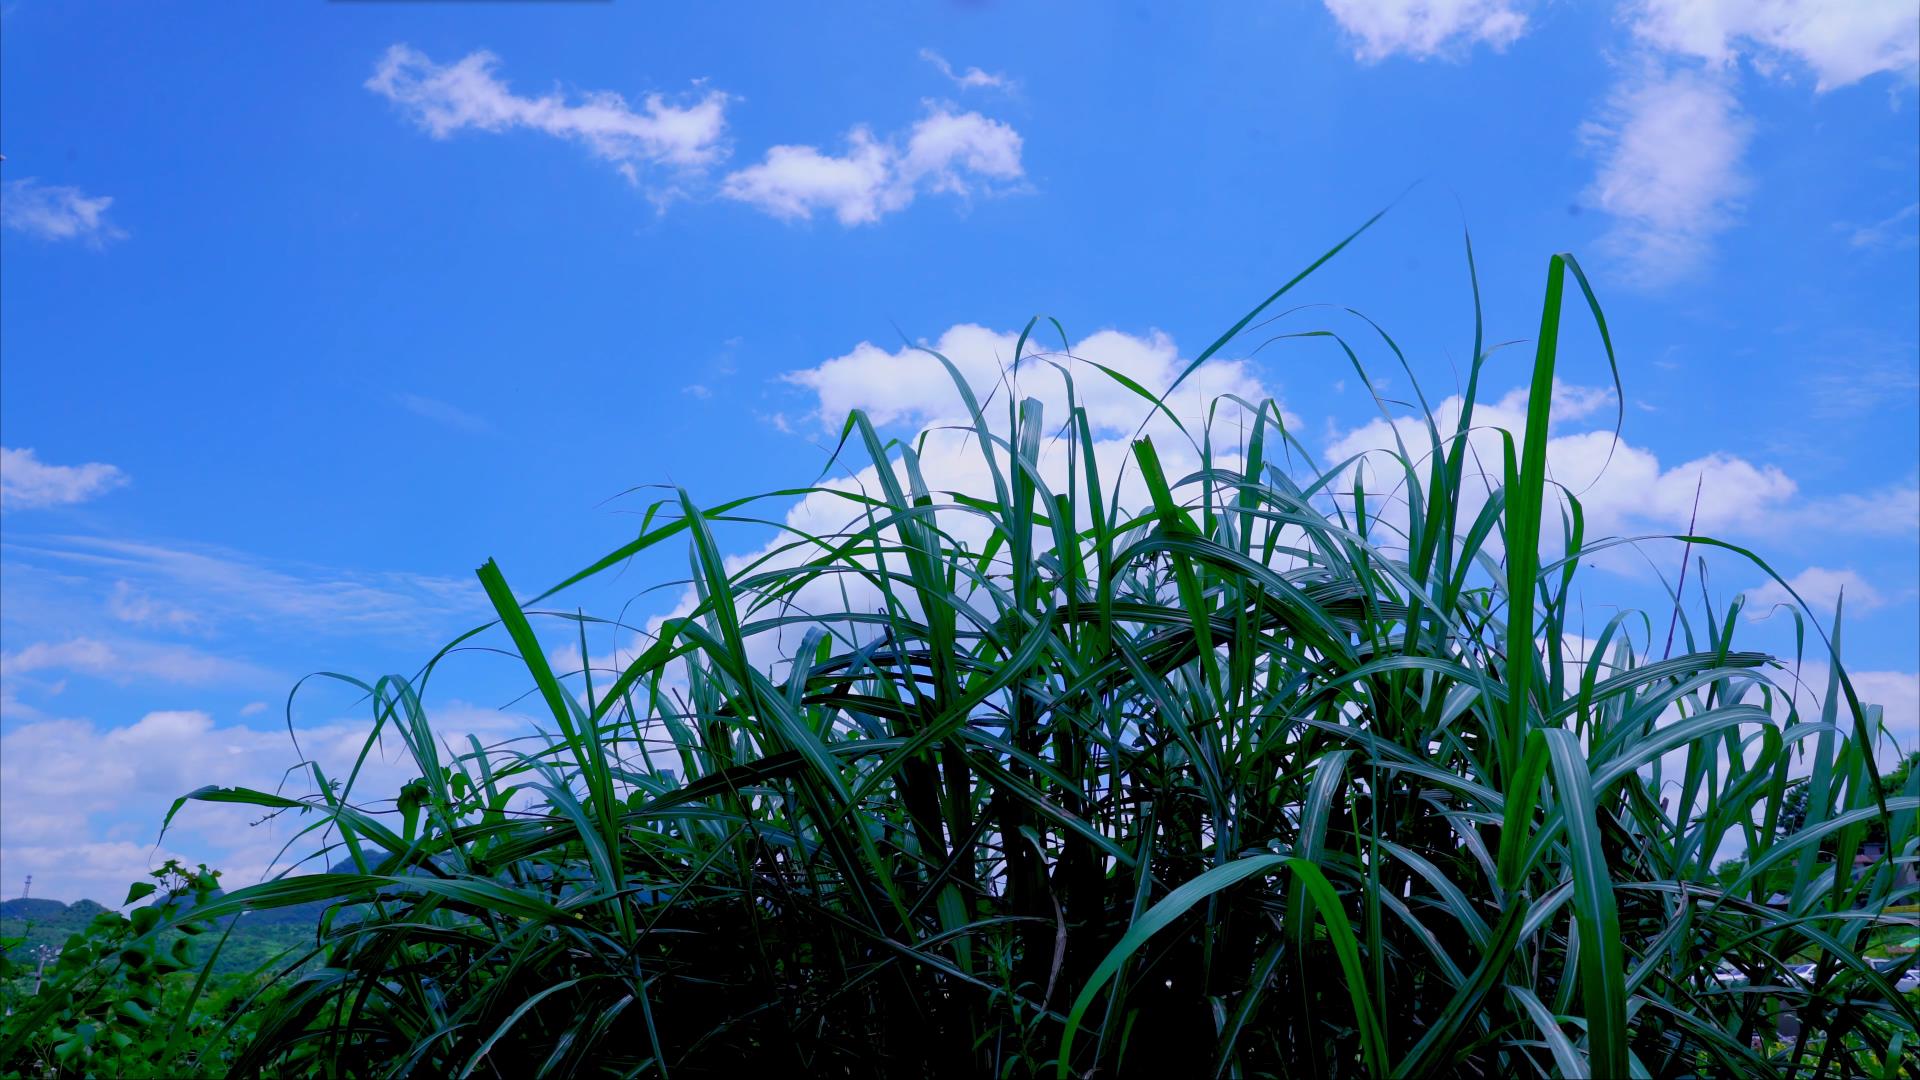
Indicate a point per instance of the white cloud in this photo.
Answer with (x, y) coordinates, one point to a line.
(1821, 588)
(130, 605)
(1803, 688)
(441, 412)
(1893, 510)
(1625, 489)
(944, 152)
(1426, 28)
(70, 601)
(1850, 384)
(26, 482)
(794, 181)
(1890, 231)
(98, 870)
(1841, 41)
(129, 660)
(54, 212)
(220, 586)
(1673, 136)
(971, 79)
(906, 390)
(1896, 692)
(446, 98)
(1622, 487)
(1670, 144)
(81, 804)
(909, 386)
(1569, 401)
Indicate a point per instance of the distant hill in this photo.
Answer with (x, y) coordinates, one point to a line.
(259, 937)
(24, 908)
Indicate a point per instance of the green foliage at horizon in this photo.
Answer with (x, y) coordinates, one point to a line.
(128, 994)
(1245, 771)
(259, 939)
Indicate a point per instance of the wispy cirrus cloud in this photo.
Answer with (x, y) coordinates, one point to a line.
(1672, 137)
(1863, 377)
(1670, 143)
(57, 212)
(443, 413)
(127, 660)
(971, 79)
(138, 608)
(221, 587)
(1896, 230)
(1890, 510)
(28, 483)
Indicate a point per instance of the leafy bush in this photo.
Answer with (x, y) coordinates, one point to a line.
(1241, 770)
(125, 995)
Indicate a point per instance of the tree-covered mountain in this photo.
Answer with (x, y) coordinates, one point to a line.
(257, 938)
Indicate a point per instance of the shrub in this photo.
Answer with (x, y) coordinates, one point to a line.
(125, 995)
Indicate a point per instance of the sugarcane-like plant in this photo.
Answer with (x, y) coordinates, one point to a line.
(1239, 767)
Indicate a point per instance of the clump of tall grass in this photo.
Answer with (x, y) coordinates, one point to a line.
(1256, 774)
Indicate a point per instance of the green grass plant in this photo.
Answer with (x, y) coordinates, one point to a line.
(1258, 773)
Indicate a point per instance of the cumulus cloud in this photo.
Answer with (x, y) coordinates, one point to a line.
(909, 393)
(944, 152)
(1670, 145)
(971, 79)
(1624, 488)
(1615, 482)
(1426, 28)
(1840, 41)
(28, 483)
(446, 98)
(909, 390)
(910, 386)
(1821, 588)
(81, 803)
(55, 212)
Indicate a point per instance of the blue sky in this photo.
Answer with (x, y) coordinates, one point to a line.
(307, 310)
